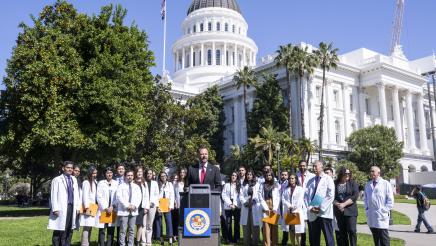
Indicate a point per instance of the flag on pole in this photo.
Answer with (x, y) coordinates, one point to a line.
(164, 9)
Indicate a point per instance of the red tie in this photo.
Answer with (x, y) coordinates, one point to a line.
(203, 174)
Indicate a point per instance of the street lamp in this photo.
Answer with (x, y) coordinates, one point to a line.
(373, 149)
(278, 158)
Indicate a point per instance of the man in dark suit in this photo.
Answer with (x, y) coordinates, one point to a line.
(204, 172)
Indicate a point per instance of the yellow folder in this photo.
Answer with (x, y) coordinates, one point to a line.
(164, 205)
(92, 210)
(108, 218)
(272, 219)
(292, 219)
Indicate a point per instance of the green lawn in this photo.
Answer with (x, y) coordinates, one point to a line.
(412, 201)
(399, 218)
(32, 231)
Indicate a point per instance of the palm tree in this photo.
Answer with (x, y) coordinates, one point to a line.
(285, 58)
(245, 77)
(304, 63)
(266, 142)
(328, 58)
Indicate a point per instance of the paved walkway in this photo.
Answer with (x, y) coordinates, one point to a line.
(406, 232)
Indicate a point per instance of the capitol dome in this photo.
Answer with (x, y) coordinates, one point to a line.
(199, 4)
(214, 44)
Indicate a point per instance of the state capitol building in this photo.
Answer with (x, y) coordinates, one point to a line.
(366, 88)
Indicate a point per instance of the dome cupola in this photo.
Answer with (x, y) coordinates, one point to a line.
(199, 4)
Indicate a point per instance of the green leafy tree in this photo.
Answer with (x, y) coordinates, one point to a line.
(205, 119)
(268, 107)
(285, 58)
(327, 58)
(266, 143)
(74, 89)
(377, 145)
(360, 177)
(304, 63)
(245, 78)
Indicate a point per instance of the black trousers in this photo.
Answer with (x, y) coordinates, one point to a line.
(63, 238)
(285, 238)
(233, 235)
(110, 235)
(347, 230)
(224, 232)
(315, 227)
(175, 221)
(380, 236)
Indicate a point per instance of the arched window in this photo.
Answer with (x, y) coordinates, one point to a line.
(411, 168)
(209, 57)
(209, 26)
(424, 169)
(226, 27)
(338, 131)
(194, 28)
(201, 27)
(193, 59)
(233, 28)
(218, 57)
(218, 26)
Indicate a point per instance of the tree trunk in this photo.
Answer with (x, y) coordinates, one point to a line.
(289, 104)
(246, 112)
(303, 133)
(321, 115)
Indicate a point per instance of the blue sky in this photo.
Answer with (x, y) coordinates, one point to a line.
(349, 24)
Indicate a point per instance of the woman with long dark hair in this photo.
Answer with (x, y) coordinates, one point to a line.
(89, 195)
(269, 196)
(179, 182)
(345, 207)
(293, 202)
(232, 207)
(166, 190)
(144, 206)
(251, 214)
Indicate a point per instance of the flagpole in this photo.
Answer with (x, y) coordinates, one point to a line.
(164, 37)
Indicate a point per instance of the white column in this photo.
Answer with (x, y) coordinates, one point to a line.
(397, 115)
(314, 126)
(410, 126)
(236, 55)
(382, 104)
(191, 58)
(213, 54)
(225, 55)
(202, 54)
(236, 125)
(363, 108)
(330, 120)
(244, 57)
(183, 57)
(346, 103)
(422, 128)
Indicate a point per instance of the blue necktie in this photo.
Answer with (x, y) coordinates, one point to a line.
(317, 178)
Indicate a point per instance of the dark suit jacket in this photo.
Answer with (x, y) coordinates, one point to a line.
(352, 192)
(213, 177)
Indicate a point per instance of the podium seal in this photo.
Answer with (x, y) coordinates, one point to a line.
(197, 222)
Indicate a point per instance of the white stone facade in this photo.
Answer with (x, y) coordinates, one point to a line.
(367, 88)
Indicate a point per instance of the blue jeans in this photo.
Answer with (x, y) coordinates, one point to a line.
(421, 218)
(168, 222)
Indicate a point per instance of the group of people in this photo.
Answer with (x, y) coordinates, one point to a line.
(323, 204)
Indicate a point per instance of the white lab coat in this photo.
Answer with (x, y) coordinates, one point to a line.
(103, 191)
(154, 193)
(256, 209)
(59, 202)
(379, 201)
(168, 189)
(297, 204)
(275, 199)
(123, 199)
(229, 192)
(145, 198)
(326, 189)
(89, 197)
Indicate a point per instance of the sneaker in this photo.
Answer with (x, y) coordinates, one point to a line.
(430, 231)
(417, 230)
